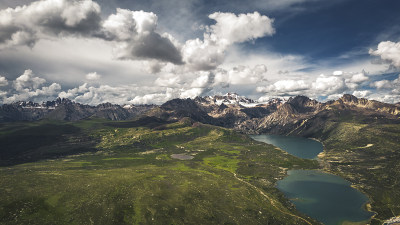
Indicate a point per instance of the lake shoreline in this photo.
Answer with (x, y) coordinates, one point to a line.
(324, 170)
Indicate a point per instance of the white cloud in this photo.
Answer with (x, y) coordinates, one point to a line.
(22, 25)
(388, 51)
(337, 73)
(29, 87)
(358, 78)
(122, 25)
(385, 97)
(27, 81)
(44, 93)
(231, 28)
(382, 84)
(203, 55)
(334, 96)
(191, 93)
(202, 81)
(387, 84)
(209, 53)
(153, 66)
(353, 81)
(134, 32)
(361, 94)
(93, 76)
(192, 67)
(241, 75)
(3, 81)
(74, 92)
(285, 86)
(168, 80)
(327, 85)
(136, 37)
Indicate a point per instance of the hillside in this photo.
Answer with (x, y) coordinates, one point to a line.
(361, 137)
(141, 172)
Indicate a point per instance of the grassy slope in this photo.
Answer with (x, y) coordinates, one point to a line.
(124, 174)
(367, 153)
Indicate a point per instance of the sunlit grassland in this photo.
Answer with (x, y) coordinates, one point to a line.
(129, 176)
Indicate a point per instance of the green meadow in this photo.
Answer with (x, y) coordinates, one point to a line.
(101, 172)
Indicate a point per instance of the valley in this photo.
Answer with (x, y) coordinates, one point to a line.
(68, 163)
(130, 177)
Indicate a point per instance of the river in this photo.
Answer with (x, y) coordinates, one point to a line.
(325, 197)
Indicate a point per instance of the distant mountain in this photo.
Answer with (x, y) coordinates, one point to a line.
(65, 109)
(298, 115)
(228, 99)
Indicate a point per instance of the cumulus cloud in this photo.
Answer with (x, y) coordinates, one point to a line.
(338, 73)
(361, 94)
(23, 24)
(137, 38)
(329, 84)
(209, 53)
(74, 92)
(92, 76)
(168, 80)
(240, 75)
(27, 81)
(134, 32)
(153, 66)
(388, 51)
(29, 87)
(353, 81)
(3, 81)
(203, 80)
(44, 93)
(382, 84)
(385, 97)
(285, 86)
(358, 78)
(192, 93)
(387, 84)
(230, 28)
(130, 94)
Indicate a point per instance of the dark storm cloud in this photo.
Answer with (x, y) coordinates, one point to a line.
(156, 47)
(86, 27)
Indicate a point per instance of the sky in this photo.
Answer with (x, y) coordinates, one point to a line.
(151, 51)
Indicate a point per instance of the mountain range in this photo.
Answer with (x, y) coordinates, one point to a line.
(298, 115)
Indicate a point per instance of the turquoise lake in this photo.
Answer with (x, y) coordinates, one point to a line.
(298, 146)
(322, 196)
